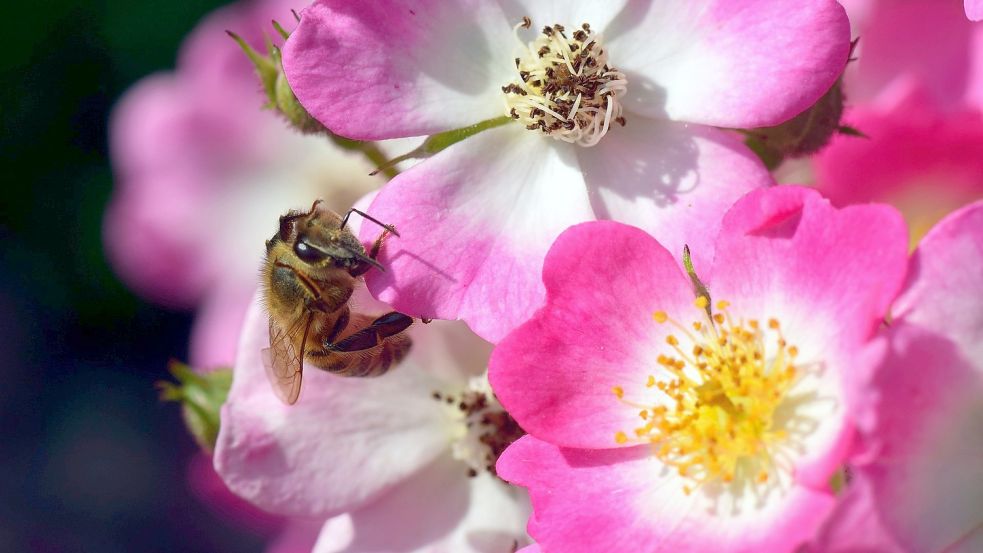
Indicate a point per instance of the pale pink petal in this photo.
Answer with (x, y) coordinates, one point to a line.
(345, 442)
(475, 222)
(371, 70)
(828, 275)
(924, 487)
(674, 181)
(730, 64)
(945, 288)
(855, 525)
(974, 9)
(439, 509)
(623, 500)
(556, 372)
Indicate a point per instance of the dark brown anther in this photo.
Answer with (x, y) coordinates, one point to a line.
(548, 31)
(517, 62)
(513, 113)
(580, 35)
(526, 22)
(543, 51)
(621, 121)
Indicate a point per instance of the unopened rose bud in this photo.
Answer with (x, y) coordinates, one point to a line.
(280, 97)
(201, 396)
(804, 134)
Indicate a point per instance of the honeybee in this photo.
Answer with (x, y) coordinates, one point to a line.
(312, 265)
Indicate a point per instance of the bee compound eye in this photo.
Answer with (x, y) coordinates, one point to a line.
(306, 253)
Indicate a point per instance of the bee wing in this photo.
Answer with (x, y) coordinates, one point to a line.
(284, 364)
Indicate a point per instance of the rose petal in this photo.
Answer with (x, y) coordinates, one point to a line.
(728, 64)
(438, 509)
(555, 373)
(345, 442)
(674, 181)
(370, 70)
(945, 288)
(474, 228)
(623, 500)
(828, 275)
(924, 488)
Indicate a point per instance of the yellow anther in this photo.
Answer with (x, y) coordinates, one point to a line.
(718, 407)
(618, 391)
(620, 437)
(660, 316)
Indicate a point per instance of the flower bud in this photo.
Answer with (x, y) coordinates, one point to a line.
(802, 135)
(201, 396)
(269, 69)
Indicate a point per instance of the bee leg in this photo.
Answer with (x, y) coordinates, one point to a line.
(383, 327)
(363, 268)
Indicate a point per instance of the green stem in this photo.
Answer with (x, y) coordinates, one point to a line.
(437, 142)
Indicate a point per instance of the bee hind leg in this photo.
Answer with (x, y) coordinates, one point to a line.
(387, 325)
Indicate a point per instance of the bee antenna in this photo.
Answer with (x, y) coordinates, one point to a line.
(344, 221)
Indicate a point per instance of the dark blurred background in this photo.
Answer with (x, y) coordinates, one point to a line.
(90, 460)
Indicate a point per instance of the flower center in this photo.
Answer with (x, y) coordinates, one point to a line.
(485, 428)
(718, 421)
(566, 89)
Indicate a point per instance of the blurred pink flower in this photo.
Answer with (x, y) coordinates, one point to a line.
(916, 92)
(479, 216)
(920, 487)
(203, 172)
(391, 455)
(651, 435)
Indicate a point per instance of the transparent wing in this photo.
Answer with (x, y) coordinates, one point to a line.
(284, 364)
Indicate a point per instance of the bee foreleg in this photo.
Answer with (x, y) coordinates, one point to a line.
(383, 327)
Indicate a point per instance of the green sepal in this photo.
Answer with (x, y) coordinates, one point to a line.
(266, 69)
(699, 288)
(201, 396)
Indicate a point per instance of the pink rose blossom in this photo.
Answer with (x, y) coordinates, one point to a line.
(203, 172)
(478, 217)
(686, 433)
(920, 485)
(392, 459)
(916, 92)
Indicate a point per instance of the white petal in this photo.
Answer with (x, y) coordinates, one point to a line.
(438, 509)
